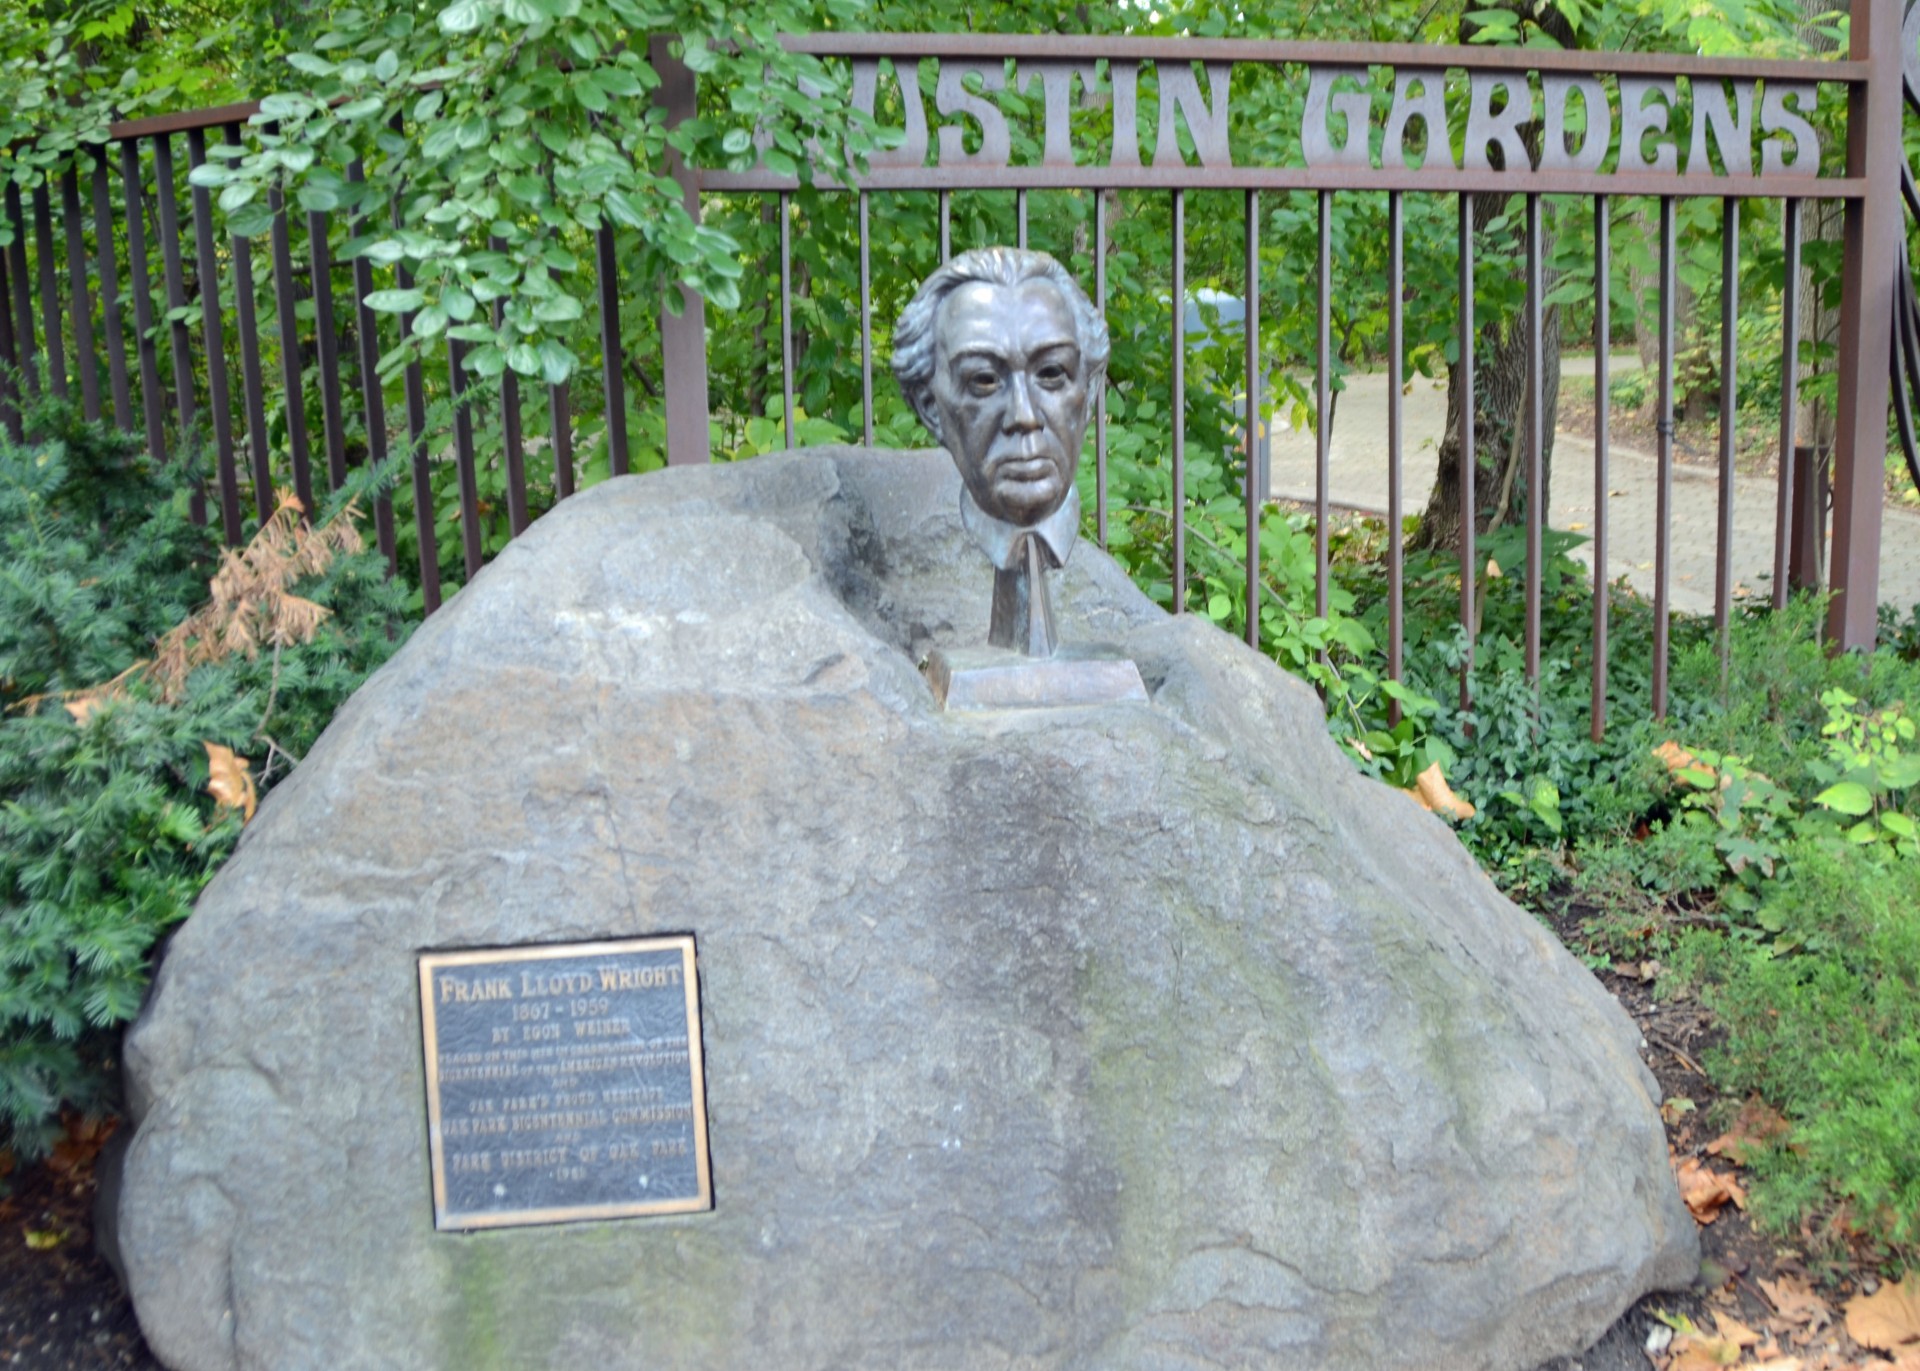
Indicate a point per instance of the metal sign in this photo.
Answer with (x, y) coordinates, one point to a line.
(564, 1083)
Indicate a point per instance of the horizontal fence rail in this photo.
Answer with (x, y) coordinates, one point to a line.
(122, 290)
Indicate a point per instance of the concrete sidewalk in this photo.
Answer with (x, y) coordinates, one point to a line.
(1358, 479)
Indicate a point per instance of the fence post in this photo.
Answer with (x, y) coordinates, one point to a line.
(683, 338)
(1871, 236)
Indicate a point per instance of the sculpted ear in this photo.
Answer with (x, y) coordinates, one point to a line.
(922, 401)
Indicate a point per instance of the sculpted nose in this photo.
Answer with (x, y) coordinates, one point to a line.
(1022, 416)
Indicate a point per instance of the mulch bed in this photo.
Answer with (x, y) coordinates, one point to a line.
(61, 1307)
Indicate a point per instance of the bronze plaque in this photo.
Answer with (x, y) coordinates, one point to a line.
(564, 1082)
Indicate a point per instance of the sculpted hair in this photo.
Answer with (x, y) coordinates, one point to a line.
(913, 334)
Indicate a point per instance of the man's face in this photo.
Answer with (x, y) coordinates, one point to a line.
(1010, 392)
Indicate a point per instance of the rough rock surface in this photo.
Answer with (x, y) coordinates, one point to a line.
(1143, 1036)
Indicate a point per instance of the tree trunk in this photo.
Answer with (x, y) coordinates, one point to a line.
(1500, 417)
(1499, 374)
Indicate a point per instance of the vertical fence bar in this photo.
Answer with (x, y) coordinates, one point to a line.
(146, 347)
(946, 227)
(613, 357)
(49, 294)
(23, 338)
(1663, 452)
(1020, 215)
(1178, 399)
(1871, 234)
(1602, 363)
(786, 315)
(86, 360)
(1789, 399)
(1536, 404)
(560, 415)
(12, 402)
(1396, 443)
(178, 338)
(416, 392)
(465, 465)
(1469, 612)
(866, 326)
(286, 306)
(514, 442)
(374, 401)
(253, 387)
(1729, 321)
(1255, 494)
(1323, 407)
(111, 319)
(683, 335)
(327, 350)
(1100, 399)
(219, 402)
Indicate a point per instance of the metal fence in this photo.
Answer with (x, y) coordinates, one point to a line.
(1612, 127)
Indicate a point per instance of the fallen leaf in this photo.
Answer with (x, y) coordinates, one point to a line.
(229, 781)
(1676, 1109)
(43, 1239)
(1494, 573)
(1889, 1319)
(1696, 1351)
(1778, 1364)
(1734, 1331)
(1754, 1127)
(1795, 1303)
(1706, 1191)
(1676, 757)
(1434, 794)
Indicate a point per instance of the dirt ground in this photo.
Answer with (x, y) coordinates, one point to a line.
(62, 1309)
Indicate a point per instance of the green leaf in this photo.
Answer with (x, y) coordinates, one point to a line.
(556, 363)
(313, 66)
(250, 222)
(386, 66)
(234, 196)
(395, 301)
(558, 309)
(623, 209)
(524, 358)
(457, 303)
(463, 16)
(360, 109)
(590, 96)
(486, 360)
(1849, 797)
(429, 322)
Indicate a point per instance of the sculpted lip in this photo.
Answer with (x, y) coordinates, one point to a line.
(1021, 467)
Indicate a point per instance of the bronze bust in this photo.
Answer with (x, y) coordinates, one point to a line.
(1000, 354)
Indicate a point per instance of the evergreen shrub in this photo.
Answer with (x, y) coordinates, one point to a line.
(122, 706)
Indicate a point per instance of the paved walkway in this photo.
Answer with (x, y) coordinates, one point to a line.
(1358, 470)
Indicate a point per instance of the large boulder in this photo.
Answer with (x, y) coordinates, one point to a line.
(1139, 1035)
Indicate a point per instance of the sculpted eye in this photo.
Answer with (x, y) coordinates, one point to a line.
(982, 382)
(1053, 376)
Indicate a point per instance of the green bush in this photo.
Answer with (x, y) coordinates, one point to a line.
(1823, 1022)
(107, 829)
